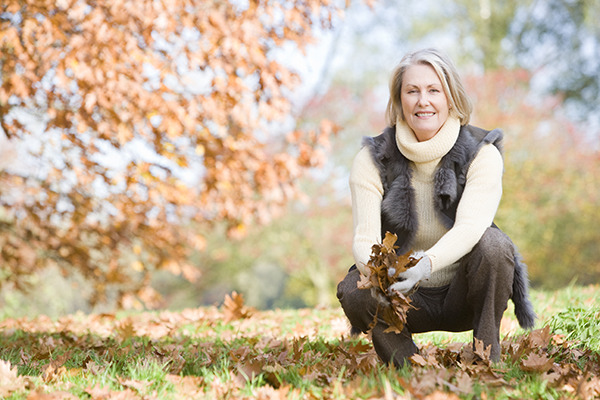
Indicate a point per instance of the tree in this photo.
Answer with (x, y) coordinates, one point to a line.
(157, 117)
(559, 40)
(562, 38)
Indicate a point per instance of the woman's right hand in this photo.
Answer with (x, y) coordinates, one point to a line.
(412, 276)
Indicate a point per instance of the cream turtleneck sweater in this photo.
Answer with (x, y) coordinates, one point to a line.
(475, 212)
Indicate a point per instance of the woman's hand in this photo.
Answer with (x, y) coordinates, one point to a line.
(408, 279)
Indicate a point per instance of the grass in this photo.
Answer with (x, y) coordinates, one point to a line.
(301, 354)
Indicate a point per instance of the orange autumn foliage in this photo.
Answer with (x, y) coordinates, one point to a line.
(157, 117)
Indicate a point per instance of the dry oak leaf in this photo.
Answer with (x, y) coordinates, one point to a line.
(540, 338)
(104, 393)
(9, 380)
(418, 360)
(247, 371)
(421, 385)
(588, 387)
(490, 377)
(438, 395)
(367, 361)
(271, 393)
(482, 350)
(552, 377)
(464, 382)
(52, 373)
(187, 386)
(61, 360)
(139, 386)
(234, 308)
(58, 395)
(537, 363)
(126, 329)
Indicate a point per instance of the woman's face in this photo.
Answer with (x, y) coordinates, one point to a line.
(424, 102)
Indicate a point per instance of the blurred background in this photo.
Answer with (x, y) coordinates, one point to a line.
(165, 158)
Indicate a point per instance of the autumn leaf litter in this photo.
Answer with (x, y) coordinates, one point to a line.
(269, 354)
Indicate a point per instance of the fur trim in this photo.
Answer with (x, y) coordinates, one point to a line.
(398, 208)
(445, 187)
(398, 204)
(354, 331)
(520, 297)
(496, 137)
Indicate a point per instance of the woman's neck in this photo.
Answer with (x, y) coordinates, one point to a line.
(430, 150)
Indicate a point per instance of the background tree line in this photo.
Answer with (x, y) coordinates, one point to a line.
(162, 155)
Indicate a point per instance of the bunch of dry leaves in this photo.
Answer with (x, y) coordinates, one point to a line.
(385, 266)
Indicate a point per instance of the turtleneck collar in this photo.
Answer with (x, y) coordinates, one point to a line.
(430, 150)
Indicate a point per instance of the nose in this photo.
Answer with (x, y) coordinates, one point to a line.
(423, 99)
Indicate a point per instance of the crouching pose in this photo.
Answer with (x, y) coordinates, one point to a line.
(436, 182)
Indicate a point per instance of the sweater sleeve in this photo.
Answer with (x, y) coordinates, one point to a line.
(476, 209)
(367, 193)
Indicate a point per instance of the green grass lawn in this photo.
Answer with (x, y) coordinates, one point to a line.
(238, 353)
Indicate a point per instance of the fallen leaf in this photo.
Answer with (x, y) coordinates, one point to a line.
(58, 395)
(464, 382)
(126, 329)
(9, 380)
(51, 373)
(103, 393)
(61, 360)
(536, 363)
(97, 392)
(92, 368)
(552, 377)
(271, 393)
(186, 386)
(234, 308)
(247, 371)
(438, 395)
(589, 387)
(540, 338)
(139, 386)
(467, 356)
(418, 360)
(490, 377)
(482, 351)
(421, 385)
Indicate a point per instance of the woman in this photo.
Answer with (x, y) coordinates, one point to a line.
(435, 182)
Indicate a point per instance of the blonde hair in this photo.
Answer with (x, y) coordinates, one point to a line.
(460, 105)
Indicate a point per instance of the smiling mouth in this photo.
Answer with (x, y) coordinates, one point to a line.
(425, 114)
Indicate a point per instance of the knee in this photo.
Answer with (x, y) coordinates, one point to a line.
(495, 241)
(494, 255)
(348, 293)
(494, 245)
(348, 284)
(358, 305)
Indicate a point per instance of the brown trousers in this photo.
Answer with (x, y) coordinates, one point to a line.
(475, 299)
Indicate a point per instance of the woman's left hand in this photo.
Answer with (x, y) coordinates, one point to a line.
(408, 279)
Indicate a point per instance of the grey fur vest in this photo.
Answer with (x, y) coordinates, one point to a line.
(398, 211)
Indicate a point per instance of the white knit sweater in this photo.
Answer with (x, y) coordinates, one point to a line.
(475, 212)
